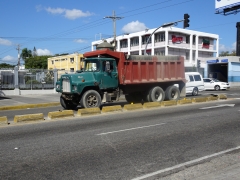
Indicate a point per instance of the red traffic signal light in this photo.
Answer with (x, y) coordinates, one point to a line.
(186, 21)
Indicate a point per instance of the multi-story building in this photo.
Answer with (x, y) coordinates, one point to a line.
(192, 45)
(69, 63)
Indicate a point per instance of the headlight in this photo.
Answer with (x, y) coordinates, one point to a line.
(58, 86)
(75, 88)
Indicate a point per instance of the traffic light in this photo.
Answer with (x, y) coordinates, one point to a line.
(186, 21)
(198, 63)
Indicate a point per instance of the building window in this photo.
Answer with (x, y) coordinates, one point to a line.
(134, 41)
(71, 69)
(187, 55)
(159, 52)
(145, 38)
(123, 43)
(52, 62)
(72, 60)
(194, 39)
(159, 37)
(187, 39)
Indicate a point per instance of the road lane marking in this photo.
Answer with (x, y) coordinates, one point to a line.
(221, 105)
(186, 163)
(123, 130)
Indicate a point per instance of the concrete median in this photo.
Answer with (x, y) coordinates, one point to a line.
(199, 99)
(107, 109)
(88, 111)
(222, 96)
(28, 117)
(60, 114)
(149, 105)
(169, 103)
(212, 98)
(184, 101)
(131, 107)
(3, 120)
(26, 106)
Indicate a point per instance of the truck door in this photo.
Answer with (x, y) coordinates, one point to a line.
(110, 75)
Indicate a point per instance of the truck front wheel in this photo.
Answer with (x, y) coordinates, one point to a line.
(91, 99)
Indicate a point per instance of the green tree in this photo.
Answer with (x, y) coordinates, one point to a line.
(38, 62)
(5, 65)
(227, 53)
(26, 54)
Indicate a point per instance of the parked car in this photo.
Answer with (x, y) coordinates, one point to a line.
(194, 83)
(215, 84)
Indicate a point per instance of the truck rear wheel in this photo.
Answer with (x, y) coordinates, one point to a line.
(156, 94)
(67, 104)
(172, 93)
(90, 99)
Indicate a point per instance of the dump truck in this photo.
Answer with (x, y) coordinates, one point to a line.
(108, 74)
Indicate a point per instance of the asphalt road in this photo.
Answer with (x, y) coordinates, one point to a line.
(233, 93)
(119, 145)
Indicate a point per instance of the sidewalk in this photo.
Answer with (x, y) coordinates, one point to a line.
(25, 101)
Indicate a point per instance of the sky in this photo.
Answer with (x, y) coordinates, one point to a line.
(60, 26)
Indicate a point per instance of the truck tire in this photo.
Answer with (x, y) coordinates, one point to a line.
(90, 99)
(156, 94)
(172, 93)
(66, 104)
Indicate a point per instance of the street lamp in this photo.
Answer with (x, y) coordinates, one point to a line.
(162, 26)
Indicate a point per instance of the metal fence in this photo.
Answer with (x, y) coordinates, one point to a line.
(27, 79)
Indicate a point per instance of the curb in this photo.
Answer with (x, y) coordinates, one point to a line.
(3, 120)
(149, 105)
(200, 99)
(25, 106)
(169, 103)
(184, 101)
(88, 111)
(28, 117)
(60, 114)
(107, 109)
(222, 96)
(130, 107)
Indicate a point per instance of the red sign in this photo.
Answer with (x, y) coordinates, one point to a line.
(176, 39)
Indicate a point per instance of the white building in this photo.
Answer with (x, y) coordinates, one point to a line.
(192, 45)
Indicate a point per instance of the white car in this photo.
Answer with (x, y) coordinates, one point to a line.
(214, 84)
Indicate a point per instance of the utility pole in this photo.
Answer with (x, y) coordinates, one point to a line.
(18, 48)
(114, 18)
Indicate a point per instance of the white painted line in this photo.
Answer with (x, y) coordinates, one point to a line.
(130, 129)
(221, 105)
(186, 163)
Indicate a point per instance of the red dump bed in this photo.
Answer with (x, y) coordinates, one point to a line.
(137, 69)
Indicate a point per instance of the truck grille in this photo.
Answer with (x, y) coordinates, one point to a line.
(66, 85)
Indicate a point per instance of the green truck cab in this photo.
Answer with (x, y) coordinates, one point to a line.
(91, 85)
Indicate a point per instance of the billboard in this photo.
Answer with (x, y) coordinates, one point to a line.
(220, 5)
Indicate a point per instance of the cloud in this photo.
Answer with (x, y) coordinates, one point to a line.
(69, 13)
(222, 47)
(134, 26)
(43, 52)
(9, 58)
(79, 41)
(5, 42)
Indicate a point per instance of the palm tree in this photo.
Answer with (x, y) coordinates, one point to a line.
(26, 54)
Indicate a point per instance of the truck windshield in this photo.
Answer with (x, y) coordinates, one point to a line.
(92, 65)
